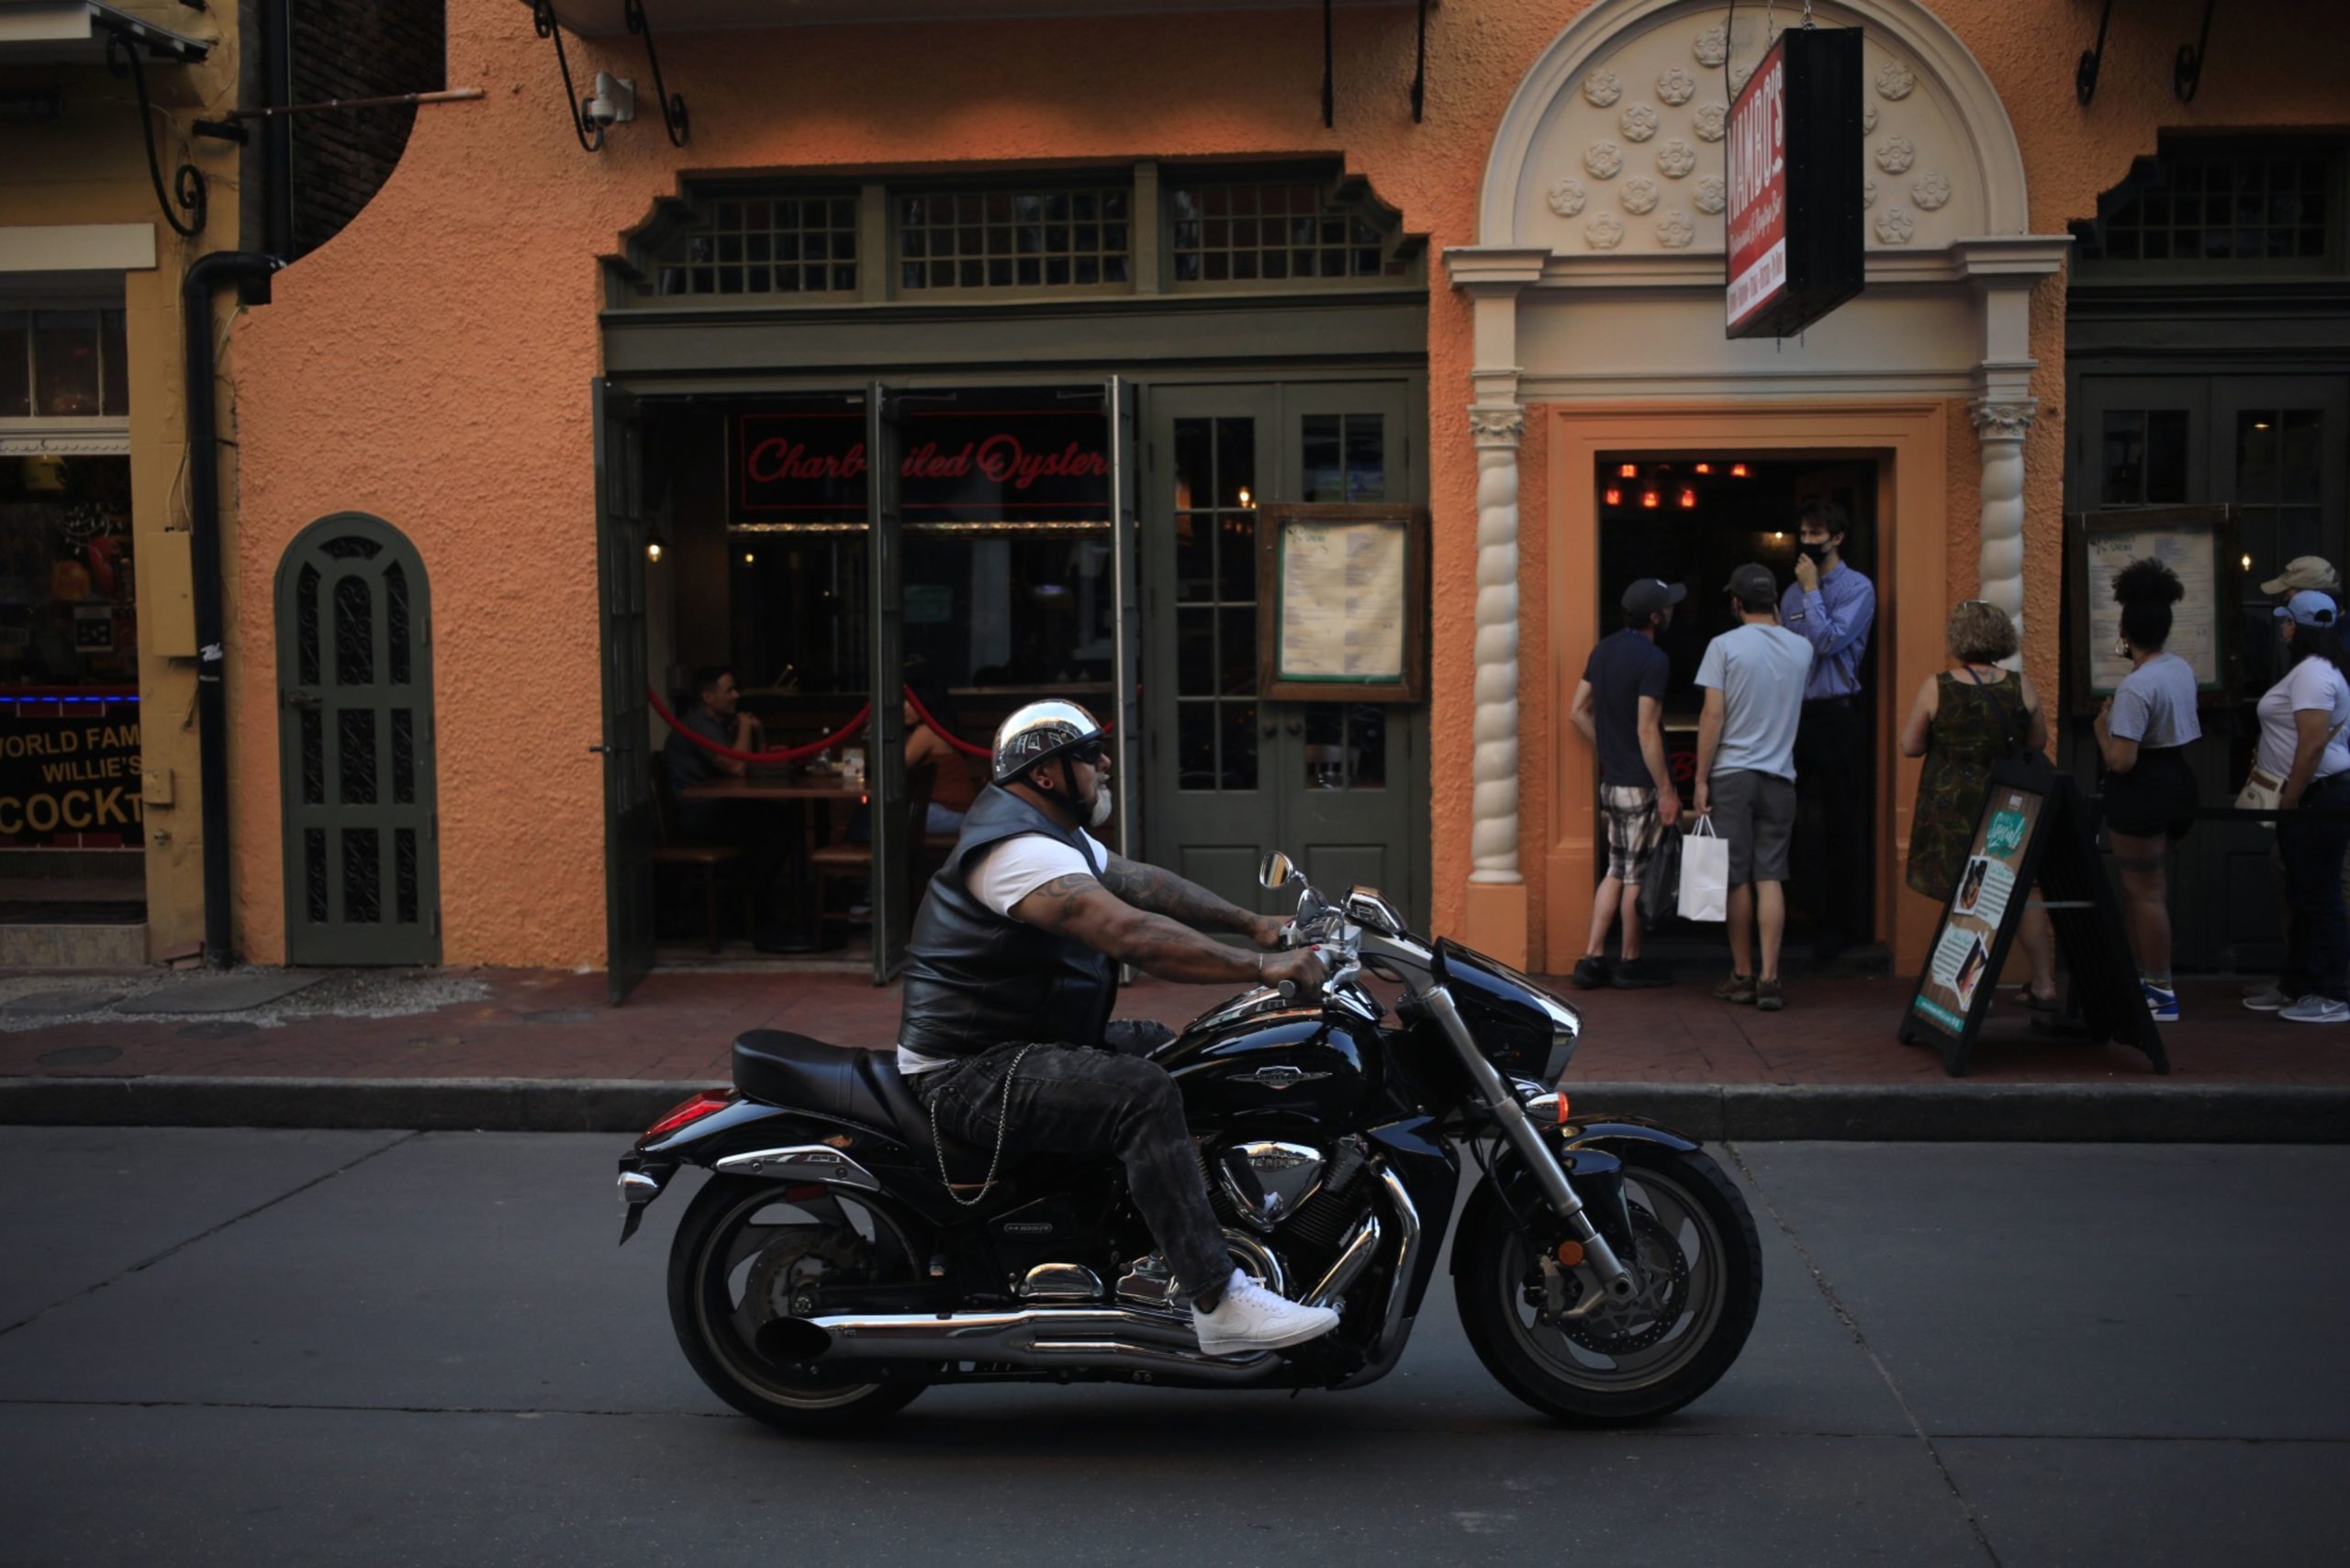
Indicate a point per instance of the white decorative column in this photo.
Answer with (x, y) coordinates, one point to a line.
(2000, 428)
(1493, 835)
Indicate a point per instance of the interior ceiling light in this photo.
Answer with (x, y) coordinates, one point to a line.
(1649, 500)
(1705, 467)
(1628, 471)
(1737, 470)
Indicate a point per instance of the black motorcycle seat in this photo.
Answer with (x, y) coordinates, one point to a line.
(848, 1084)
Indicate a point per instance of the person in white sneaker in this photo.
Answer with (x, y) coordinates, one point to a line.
(1250, 1317)
(2304, 758)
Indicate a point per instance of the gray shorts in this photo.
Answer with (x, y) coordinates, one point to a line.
(1756, 811)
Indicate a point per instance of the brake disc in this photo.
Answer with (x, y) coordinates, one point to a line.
(1616, 1328)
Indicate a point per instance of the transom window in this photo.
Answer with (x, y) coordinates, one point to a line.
(2269, 204)
(1050, 238)
(1273, 232)
(63, 363)
(1151, 228)
(782, 244)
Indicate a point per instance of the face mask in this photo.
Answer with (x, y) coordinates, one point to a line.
(1102, 804)
(1816, 554)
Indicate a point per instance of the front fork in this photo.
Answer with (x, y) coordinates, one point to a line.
(1559, 1193)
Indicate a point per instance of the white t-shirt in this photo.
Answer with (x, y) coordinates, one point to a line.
(1009, 872)
(2311, 683)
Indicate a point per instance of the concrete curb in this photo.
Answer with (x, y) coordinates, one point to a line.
(2151, 1112)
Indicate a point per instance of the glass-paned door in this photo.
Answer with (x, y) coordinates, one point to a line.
(1230, 773)
(355, 742)
(2277, 447)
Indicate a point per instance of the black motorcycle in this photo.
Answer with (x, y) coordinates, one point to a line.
(1606, 1271)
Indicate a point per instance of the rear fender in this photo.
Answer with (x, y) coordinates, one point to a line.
(744, 1127)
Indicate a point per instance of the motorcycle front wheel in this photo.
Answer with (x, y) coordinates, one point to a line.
(749, 1254)
(1548, 1338)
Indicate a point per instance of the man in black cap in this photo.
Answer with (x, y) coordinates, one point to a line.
(1619, 707)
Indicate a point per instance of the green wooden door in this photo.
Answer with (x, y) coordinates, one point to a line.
(632, 820)
(355, 747)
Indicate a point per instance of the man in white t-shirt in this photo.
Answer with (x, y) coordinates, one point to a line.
(1011, 973)
(1753, 677)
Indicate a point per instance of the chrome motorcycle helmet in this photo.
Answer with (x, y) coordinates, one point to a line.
(1040, 732)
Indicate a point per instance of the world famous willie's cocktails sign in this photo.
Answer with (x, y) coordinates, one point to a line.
(1793, 222)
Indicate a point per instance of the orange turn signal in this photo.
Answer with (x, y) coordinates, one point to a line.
(1571, 1253)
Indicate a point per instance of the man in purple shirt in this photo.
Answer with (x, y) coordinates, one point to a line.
(1833, 608)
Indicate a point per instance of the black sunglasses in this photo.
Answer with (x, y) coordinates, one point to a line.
(1089, 754)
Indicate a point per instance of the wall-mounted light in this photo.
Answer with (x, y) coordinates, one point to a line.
(1778, 536)
(2247, 563)
(653, 550)
(1245, 498)
(1628, 471)
(1705, 467)
(1737, 470)
(1649, 500)
(1689, 499)
(2260, 424)
(749, 558)
(1614, 498)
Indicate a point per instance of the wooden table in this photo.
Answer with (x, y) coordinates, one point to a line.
(828, 788)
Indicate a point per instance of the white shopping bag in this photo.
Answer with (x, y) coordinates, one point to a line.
(1705, 873)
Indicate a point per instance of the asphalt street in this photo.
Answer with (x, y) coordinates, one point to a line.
(377, 1348)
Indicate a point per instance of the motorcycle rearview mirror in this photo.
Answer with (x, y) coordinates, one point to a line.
(1276, 871)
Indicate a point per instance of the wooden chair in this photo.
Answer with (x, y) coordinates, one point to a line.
(854, 862)
(710, 858)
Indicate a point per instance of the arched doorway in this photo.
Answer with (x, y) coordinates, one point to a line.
(355, 747)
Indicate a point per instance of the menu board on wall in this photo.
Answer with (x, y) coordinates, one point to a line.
(2197, 544)
(1341, 599)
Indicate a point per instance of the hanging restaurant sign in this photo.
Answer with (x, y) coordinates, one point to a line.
(1794, 149)
(957, 464)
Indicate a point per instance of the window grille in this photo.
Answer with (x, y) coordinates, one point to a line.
(803, 245)
(1287, 231)
(1037, 239)
(2219, 205)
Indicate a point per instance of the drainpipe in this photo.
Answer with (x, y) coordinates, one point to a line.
(250, 270)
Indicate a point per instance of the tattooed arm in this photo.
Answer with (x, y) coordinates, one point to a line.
(1164, 892)
(1081, 907)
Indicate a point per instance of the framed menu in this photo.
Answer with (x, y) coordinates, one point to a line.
(2200, 544)
(1341, 595)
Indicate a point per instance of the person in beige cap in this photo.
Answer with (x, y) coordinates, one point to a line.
(2304, 573)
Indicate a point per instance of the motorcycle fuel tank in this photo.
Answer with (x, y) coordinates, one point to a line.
(1273, 1059)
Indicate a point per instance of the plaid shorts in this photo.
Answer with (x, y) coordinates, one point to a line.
(1631, 829)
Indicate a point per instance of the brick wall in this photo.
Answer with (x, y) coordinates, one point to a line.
(355, 48)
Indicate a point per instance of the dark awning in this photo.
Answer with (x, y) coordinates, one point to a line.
(75, 32)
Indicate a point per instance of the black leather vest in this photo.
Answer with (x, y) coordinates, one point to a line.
(975, 979)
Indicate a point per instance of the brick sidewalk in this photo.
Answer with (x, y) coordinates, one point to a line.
(554, 1025)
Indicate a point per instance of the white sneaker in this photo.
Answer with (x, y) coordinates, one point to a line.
(2317, 1010)
(1251, 1318)
(2268, 999)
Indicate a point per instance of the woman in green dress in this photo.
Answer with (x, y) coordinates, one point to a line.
(1970, 717)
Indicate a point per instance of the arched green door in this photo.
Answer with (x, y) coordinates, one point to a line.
(354, 742)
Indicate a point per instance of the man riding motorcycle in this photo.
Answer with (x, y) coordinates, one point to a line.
(1010, 978)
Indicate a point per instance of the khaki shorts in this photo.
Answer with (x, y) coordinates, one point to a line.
(1756, 811)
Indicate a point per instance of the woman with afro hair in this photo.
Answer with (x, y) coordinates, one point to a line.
(2142, 733)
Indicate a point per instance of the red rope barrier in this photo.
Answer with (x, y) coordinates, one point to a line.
(780, 754)
(942, 732)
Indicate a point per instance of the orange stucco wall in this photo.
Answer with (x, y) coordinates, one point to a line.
(431, 363)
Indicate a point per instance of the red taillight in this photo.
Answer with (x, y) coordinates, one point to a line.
(689, 1110)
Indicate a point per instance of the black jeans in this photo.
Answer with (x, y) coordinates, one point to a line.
(1831, 859)
(2317, 947)
(1085, 1103)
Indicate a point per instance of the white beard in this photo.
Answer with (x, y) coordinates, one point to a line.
(1101, 806)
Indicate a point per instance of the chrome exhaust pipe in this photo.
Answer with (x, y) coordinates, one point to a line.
(1061, 1336)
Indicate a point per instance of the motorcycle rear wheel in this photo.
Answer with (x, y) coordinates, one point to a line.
(724, 1262)
(1702, 1279)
